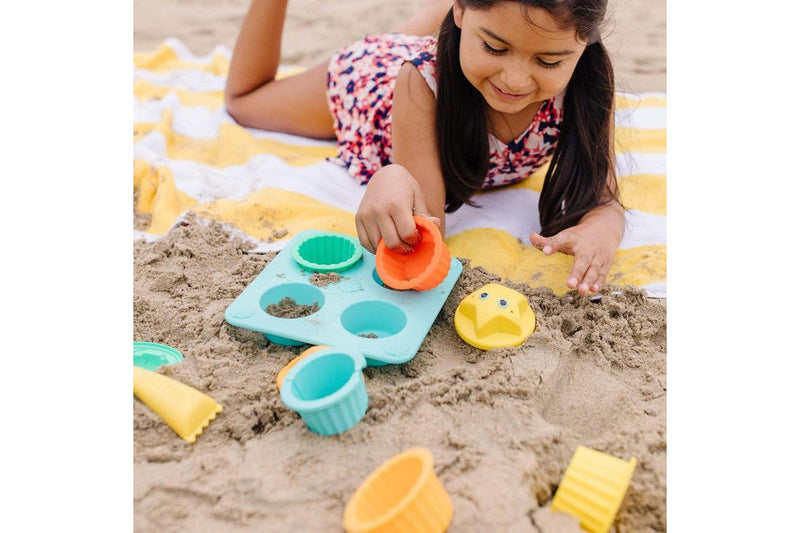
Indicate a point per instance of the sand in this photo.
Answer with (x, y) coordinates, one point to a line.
(635, 33)
(502, 424)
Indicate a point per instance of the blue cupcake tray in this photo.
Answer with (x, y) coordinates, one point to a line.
(358, 311)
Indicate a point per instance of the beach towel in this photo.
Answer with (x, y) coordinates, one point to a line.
(189, 156)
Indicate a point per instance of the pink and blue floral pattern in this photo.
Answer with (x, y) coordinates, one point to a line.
(361, 80)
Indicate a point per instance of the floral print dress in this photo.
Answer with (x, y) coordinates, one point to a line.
(361, 80)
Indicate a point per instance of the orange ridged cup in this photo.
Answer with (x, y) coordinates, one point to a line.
(403, 495)
(421, 269)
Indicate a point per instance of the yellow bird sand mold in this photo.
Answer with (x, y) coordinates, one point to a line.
(494, 316)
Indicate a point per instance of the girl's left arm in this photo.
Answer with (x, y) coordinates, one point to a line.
(593, 240)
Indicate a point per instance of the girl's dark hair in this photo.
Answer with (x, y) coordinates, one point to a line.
(581, 175)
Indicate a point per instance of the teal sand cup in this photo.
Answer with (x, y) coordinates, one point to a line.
(327, 390)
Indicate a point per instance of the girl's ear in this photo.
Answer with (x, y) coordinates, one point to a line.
(458, 13)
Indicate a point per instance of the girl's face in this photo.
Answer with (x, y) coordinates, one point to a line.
(512, 63)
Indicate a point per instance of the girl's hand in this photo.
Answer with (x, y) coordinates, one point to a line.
(386, 211)
(593, 250)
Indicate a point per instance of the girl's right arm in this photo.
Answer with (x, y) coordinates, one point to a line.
(254, 98)
(257, 51)
(414, 184)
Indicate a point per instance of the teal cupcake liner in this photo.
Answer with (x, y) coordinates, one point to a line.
(327, 390)
(327, 252)
(151, 355)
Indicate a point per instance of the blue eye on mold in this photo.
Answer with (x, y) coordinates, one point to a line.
(483, 295)
(502, 302)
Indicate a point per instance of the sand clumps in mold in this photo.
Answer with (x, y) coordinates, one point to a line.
(502, 424)
(322, 279)
(288, 308)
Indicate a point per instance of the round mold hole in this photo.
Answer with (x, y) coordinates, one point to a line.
(292, 300)
(375, 319)
(378, 281)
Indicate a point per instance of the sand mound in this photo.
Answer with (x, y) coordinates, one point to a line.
(502, 424)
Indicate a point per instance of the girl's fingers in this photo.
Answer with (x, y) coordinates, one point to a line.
(433, 219)
(406, 231)
(388, 232)
(578, 272)
(594, 277)
(368, 239)
(419, 209)
(590, 279)
(560, 242)
(601, 277)
(542, 243)
(537, 240)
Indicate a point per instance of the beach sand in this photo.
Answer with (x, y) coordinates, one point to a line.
(635, 34)
(502, 424)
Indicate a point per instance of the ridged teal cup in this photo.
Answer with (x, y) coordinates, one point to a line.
(327, 252)
(327, 390)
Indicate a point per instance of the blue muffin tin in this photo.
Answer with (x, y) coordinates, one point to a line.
(357, 311)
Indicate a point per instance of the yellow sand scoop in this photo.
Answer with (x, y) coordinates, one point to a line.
(593, 487)
(186, 410)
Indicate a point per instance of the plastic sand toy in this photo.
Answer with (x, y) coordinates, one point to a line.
(185, 409)
(421, 269)
(351, 307)
(326, 388)
(593, 487)
(494, 316)
(404, 494)
(326, 252)
(290, 365)
(150, 356)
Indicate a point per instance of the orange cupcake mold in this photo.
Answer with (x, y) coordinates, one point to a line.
(402, 495)
(421, 269)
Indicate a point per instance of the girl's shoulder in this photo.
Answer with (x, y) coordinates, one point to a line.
(386, 52)
(412, 43)
(414, 48)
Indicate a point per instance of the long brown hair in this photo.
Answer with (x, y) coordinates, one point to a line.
(581, 175)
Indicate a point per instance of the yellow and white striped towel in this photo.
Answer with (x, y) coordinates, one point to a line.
(189, 155)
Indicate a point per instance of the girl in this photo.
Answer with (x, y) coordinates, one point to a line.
(425, 122)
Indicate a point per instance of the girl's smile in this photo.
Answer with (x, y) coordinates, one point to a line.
(508, 96)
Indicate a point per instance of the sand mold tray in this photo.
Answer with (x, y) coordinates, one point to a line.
(354, 309)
